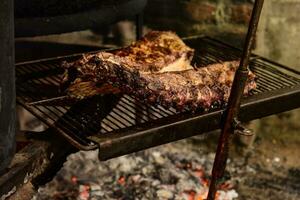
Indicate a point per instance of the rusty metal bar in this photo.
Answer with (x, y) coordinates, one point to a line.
(7, 84)
(234, 103)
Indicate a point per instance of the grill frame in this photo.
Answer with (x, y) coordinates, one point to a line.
(265, 101)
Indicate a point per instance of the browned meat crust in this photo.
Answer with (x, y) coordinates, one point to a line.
(156, 51)
(137, 73)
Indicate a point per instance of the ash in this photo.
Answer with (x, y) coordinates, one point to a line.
(173, 171)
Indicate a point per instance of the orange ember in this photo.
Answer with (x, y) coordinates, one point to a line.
(217, 195)
(205, 182)
(87, 187)
(225, 186)
(202, 196)
(85, 192)
(74, 179)
(191, 194)
(121, 180)
(189, 165)
(199, 173)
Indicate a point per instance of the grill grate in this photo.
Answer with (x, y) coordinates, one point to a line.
(122, 124)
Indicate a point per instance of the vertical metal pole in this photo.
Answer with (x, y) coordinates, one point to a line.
(139, 25)
(7, 84)
(234, 103)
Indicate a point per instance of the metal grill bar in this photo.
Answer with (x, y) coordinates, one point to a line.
(110, 121)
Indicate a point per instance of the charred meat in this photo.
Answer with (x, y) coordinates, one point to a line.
(156, 70)
(156, 52)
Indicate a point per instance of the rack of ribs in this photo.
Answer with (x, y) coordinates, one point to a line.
(156, 69)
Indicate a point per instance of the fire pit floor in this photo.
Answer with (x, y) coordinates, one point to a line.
(179, 170)
(165, 172)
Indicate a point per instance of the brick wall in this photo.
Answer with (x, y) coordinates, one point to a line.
(225, 19)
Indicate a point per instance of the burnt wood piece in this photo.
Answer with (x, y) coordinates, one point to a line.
(53, 17)
(35, 164)
(7, 84)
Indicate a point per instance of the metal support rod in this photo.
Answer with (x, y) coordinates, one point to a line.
(234, 103)
(139, 25)
(7, 84)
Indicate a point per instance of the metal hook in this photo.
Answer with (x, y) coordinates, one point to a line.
(240, 129)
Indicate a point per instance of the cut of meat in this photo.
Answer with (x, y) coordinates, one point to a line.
(158, 52)
(192, 89)
(169, 82)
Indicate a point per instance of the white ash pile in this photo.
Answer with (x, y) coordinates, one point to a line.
(167, 172)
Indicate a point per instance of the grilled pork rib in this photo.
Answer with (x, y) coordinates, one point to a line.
(133, 70)
(156, 52)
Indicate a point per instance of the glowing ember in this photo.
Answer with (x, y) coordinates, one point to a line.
(121, 180)
(199, 173)
(74, 179)
(226, 186)
(205, 182)
(191, 194)
(201, 196)
(84, 192)
(146, 175)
